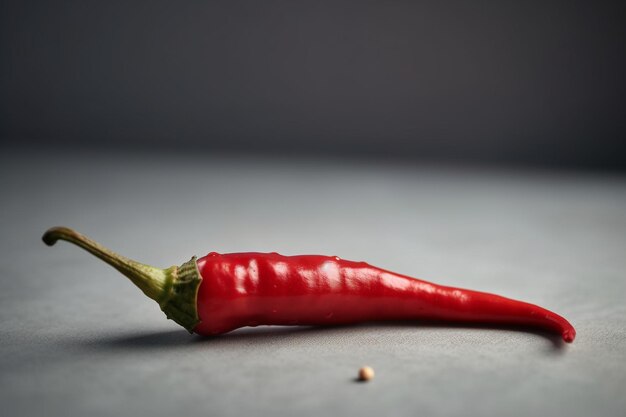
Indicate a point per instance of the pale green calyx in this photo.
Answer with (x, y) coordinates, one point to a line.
(174, 288)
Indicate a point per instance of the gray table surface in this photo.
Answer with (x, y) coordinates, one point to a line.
(78, 339)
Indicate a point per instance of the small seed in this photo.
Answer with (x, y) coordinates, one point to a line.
(366, 373)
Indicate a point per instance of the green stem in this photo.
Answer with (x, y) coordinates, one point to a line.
(154, 282)
(174, 288)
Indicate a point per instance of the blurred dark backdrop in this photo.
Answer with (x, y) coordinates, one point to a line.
(523, 82)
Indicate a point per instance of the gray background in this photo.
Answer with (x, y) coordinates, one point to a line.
(485, 81)
(77, 338)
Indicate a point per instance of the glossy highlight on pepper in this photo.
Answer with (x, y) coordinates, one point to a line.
(219, 293)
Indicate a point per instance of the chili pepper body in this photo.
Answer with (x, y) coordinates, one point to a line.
(250, 289)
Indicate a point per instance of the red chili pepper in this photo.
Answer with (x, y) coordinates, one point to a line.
(222, 292)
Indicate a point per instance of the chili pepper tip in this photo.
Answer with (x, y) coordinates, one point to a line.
(569, 335)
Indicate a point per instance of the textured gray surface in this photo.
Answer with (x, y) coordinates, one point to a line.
(78, 339)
